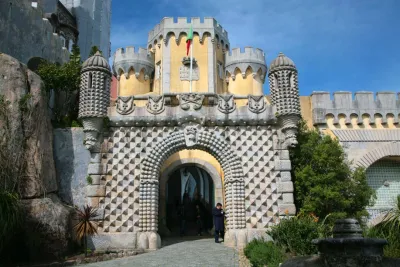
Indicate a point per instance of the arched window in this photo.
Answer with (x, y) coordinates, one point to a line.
(90, 80)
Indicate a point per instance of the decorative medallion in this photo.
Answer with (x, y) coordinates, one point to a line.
(155, 104)
(256, 104)
(194, 101)
(184, 71)
(191, 136)
(125, 105)
(226, 103)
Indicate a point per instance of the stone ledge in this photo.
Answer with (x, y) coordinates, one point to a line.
(287, 209)
(286, 176)
(287, 198)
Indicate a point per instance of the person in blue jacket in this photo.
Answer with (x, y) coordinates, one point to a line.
(219, 216)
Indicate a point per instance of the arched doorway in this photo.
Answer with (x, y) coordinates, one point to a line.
(189, 187)
(384, 177)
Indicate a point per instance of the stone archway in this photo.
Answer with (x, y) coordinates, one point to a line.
(190, 138)
(179, 163)
(387, 150)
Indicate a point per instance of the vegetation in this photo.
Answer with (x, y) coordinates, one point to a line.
(93, 51)
(85, 226)
(389, 229)
(10, 217)
(294, 235)
(89, 179)
(324, 182)
(262, 253)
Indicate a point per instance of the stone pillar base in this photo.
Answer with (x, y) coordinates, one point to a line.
(148, 240)
(239, 238)
(106, 241)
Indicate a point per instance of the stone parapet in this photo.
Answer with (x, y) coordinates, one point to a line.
(168, 26)
(364, 104)
(127, 58)
(250, 57)
(205, 109)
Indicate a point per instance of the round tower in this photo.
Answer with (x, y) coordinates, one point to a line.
(285, 95)
(134, 71)
(246, 71)
(94, 97)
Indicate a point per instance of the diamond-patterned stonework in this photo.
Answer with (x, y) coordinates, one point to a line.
(135, 154)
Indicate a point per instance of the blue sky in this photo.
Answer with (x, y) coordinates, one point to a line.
(347, 45)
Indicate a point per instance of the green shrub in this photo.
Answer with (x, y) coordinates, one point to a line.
(10, 217)
(262, 253)
(389, 229)
(295, 234)
(89, 179)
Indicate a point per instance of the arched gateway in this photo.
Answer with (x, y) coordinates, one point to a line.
(248, 134)
(192, 137)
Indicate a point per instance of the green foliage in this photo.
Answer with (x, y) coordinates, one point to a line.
(75, 54)
(10, 217)
(93, 51)
(23, 103)
(389, 229)
(295, 234)
(63, 81)
(324, 182)
(261, 253)
(89, 179)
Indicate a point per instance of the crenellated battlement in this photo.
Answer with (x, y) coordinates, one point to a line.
(129, 58)
(169, 26)
(363, 104)
(242, 59)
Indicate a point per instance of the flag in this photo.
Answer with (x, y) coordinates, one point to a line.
(189, 40)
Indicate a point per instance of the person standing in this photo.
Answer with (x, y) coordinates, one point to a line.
(219, 216)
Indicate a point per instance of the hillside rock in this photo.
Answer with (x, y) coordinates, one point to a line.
(32, 127)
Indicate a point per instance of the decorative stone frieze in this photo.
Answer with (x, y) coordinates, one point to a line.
(191, 101)
(256, 104)
(125, 105)
(226, 103)
(155, 104)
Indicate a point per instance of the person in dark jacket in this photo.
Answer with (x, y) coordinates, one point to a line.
(219, 216)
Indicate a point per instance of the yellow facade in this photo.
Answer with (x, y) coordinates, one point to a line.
(132, 85)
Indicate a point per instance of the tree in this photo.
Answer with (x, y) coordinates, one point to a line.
(93, 51)
(324, 181)
(63, 81)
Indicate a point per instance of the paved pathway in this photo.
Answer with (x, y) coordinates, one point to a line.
(186, 253)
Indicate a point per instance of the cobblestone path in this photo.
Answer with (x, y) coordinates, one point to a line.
(187, 253)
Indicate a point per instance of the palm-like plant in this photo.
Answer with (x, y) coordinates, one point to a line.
(85, 226)
(392, 218)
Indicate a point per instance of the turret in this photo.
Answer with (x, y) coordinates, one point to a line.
(245, 71)
(285, 95)
(94, 98)
(134, 71)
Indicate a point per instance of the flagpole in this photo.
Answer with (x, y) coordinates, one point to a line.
(191, 63)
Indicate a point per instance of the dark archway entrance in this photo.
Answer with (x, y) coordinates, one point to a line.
(189, 192)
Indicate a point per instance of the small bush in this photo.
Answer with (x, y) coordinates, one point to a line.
(295, 234)
(262, 253)
(89, 179)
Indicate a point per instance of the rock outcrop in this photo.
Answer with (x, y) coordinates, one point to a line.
(30, 136)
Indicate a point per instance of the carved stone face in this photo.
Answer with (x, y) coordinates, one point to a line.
(155, 104)
(226, 103)
(125, 105)
(191, 136)
(256, 104)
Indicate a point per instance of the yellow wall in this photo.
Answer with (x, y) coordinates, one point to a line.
(221, 84)
(244, 86)
(178, 51)
(133, 85)
(200, 154)
(157, 59)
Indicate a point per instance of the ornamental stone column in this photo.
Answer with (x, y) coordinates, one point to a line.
(94, 100)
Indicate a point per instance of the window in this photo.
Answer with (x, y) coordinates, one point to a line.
(90, 80)
(220, 70)
(158, 70)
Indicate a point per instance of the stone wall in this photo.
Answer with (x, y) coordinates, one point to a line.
(71, 160)
(26, 34)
